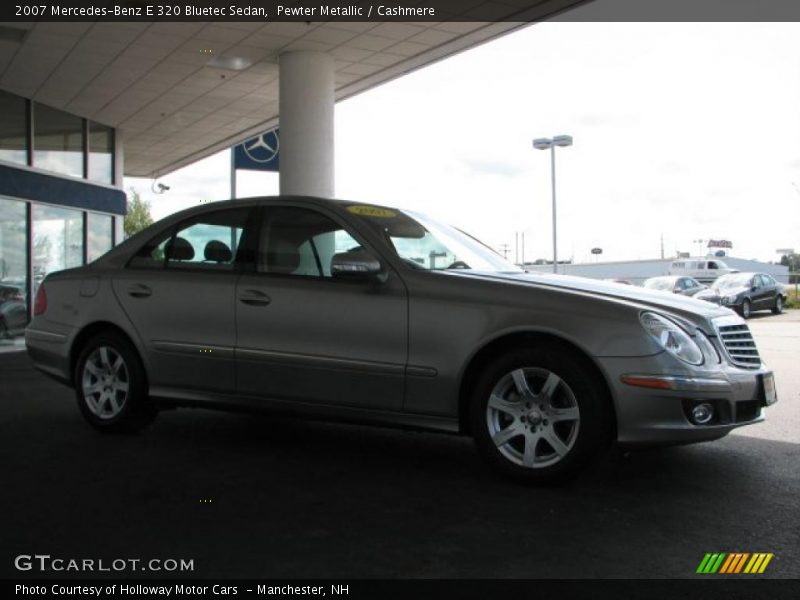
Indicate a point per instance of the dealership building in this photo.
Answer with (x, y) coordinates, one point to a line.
(60, 199)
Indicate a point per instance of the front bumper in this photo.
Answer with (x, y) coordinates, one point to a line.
(649, 413)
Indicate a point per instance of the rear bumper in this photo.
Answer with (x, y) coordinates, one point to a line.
(49, 352)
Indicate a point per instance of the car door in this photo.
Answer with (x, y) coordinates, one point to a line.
(179, 294)
(760, 294)
(307, 336)
(770, 291)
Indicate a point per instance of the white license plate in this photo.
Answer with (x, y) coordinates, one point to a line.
(770, 394)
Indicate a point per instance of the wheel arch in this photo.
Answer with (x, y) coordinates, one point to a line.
(520, 339)
(90, 331)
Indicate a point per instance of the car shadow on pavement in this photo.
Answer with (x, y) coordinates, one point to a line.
(257, 496)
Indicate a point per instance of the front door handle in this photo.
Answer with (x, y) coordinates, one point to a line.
(254, 298)
(139, 290)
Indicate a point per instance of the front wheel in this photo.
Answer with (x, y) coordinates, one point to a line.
(539, 414)
(778, 308)
(746, 309)
(110, 385)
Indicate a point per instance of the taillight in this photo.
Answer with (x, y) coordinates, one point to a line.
(40, 303)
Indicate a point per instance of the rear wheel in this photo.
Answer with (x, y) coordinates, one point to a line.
(778, 308)
(746, 309)
(110, 385)
(539, 415)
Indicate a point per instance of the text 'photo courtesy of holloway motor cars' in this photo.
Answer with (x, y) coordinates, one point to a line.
(364, 313)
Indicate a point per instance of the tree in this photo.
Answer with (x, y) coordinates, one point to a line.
(793, 262)
(138, 216)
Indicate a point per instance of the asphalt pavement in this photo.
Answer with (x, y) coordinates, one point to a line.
(253, 496)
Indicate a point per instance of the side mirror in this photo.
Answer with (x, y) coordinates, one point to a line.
(358, 264)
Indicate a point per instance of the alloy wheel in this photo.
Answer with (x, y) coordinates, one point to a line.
(105, 382)
(533, 417)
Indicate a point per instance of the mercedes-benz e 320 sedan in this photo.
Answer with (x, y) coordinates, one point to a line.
(347, 311)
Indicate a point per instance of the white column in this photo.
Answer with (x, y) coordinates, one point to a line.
(306, 124)
(119, 181)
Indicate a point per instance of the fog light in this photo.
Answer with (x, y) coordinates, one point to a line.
(702, 414)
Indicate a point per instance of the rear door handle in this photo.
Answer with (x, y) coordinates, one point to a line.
(254, 298)
(139, 290)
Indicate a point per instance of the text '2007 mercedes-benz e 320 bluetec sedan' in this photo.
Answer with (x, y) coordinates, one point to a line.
(357, 312)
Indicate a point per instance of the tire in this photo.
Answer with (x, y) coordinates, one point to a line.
(538, 415)
(110, 385)
(746, 309)
(778, 308)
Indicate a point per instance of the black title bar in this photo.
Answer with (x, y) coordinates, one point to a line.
(382, 589)
(400, 10)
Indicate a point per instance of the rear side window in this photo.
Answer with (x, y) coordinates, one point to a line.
(213, 242)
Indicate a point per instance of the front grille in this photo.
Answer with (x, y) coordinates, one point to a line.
(740, 345)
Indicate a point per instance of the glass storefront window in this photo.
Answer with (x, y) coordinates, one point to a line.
(57, 141)
(13, 270)
(57, 240)
(99, 234)
(13, 127)
(101, 152)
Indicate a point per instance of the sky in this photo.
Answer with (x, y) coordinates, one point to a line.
(690, 131)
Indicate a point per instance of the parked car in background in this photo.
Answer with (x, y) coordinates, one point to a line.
(341, 310)
(704, 270)
(685, 286)
(748, 292)
(13, 311)
(619, 280)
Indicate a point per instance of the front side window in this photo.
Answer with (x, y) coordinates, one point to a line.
(211, 242)
(302, 242)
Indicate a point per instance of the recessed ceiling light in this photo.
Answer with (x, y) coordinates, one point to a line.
(12, 34)
(232, 63)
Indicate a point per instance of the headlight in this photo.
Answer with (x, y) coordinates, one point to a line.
(672, 338)
(709, 351)
(730, 299)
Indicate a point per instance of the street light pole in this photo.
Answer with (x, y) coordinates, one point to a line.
(545, 144)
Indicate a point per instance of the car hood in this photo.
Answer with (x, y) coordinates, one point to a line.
(612, 291)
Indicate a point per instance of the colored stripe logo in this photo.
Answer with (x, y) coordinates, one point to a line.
(734, 563)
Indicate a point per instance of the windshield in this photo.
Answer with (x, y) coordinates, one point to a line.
(660, 284)
(424, 243)
(732, 281)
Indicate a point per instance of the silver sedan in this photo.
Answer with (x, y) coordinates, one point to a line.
(356, 312)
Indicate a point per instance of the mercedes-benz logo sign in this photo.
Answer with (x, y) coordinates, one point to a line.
(264, 148)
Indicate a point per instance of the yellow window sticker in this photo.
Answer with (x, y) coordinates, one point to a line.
(372, 211)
